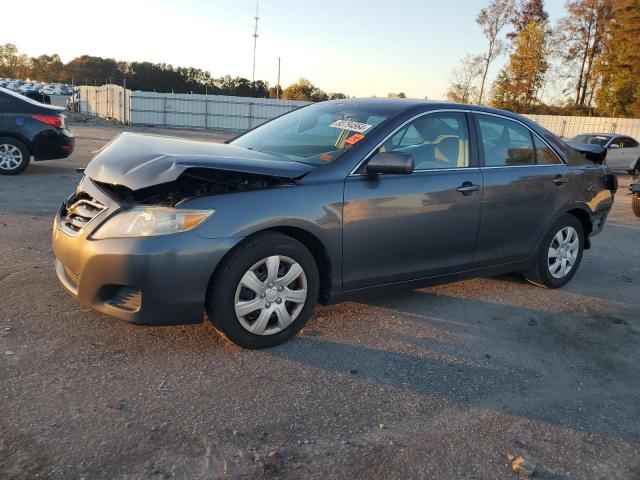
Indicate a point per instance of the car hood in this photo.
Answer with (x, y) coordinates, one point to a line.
(595, 153)
(140, 160)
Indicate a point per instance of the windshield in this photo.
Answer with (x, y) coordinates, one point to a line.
(591, 139)
(317, 134)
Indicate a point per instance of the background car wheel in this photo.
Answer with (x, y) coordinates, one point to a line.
(560, 254)
(14, 156)
(635, 205)
(264, 291)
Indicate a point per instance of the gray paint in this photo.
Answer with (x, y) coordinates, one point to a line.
(390, 228)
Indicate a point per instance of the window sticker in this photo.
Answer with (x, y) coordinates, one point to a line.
(353, 139)
(351, 125)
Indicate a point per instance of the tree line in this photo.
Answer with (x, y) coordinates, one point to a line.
(147, 76)
(590, 59)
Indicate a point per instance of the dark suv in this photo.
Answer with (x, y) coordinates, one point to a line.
(30, 129)
(320, 203)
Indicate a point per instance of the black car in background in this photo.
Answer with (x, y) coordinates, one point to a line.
(30, 129)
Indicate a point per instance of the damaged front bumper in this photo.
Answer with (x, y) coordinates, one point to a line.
(151, 281)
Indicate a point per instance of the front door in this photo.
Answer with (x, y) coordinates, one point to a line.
(526, 185)
(405, 227)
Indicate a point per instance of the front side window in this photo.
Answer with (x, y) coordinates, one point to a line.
(435, 141)
(505, 143)
(316, 135)
(628, 142)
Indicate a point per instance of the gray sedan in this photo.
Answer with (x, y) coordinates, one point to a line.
(318, 204)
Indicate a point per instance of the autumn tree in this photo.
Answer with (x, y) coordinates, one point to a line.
(463, 85)
(492, 19)
(582, 37)
(303, 89)
(619, 65)
(527, 67)
(47, 68)
(12, 63)
(525, 12)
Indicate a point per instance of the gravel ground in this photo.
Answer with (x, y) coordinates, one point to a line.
(439, 383)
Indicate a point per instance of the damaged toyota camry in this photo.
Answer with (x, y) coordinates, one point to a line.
(318, 204)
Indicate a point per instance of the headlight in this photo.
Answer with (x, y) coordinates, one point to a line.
(150, 222)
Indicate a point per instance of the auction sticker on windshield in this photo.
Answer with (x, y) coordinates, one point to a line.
(351, 125)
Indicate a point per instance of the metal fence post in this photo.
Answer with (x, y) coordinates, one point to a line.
(614, 125)
(164, 111)
(124, 101)
(250, 115)
(206, 112)
(564, 127)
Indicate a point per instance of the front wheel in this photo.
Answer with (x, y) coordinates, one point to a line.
(264, 291)
(559, 255)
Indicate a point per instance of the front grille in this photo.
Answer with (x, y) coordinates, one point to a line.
(126, 298)
(78, 211)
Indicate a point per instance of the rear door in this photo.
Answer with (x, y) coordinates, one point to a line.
(405, 227)
(525, 186)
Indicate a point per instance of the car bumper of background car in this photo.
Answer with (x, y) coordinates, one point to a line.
(52, 144)
(148, 281)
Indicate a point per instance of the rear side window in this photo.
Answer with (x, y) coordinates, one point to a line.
(544, 154)
(505, 143)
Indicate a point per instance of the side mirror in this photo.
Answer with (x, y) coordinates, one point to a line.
(613, 146)
(389, 162)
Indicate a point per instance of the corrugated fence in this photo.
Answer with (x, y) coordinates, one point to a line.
(215, 112)
(220, 112)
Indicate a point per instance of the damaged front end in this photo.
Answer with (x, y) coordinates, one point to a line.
(139, 169)
(193, 182)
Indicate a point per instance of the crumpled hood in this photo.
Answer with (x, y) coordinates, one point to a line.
(595, 153)
(138, 160)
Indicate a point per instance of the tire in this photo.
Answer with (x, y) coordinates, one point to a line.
(280, 312)
(542, 273)
(635, 205)
(14, 156)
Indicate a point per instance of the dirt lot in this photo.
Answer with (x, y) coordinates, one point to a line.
(435, 383)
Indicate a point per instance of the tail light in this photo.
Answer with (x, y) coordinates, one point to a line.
(53, 120)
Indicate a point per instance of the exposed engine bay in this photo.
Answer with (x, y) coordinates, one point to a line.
(193, 182)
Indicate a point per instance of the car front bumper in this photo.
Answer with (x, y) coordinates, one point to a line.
(149, 281)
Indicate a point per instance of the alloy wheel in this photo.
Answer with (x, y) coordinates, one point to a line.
(563, 252)
(271, 295)
(10, 157)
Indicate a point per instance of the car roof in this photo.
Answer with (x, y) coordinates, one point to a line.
(400, 105)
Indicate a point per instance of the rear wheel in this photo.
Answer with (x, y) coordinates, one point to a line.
(264, 291)
(559, 255)
(14, 156)
(635, 205)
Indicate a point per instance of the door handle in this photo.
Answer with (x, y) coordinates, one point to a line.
(560, 180)
(467, 188)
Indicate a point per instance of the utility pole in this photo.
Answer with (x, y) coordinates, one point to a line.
(255, 43)
(278, 85)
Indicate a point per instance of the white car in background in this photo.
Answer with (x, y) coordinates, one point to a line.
(623, 152)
